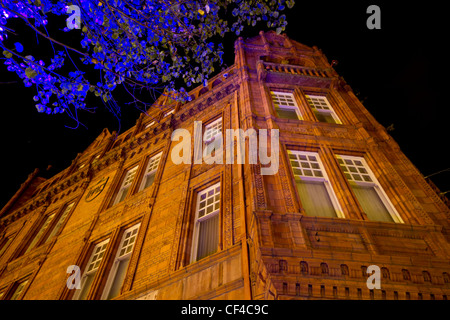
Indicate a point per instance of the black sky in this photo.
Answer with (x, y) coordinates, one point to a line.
(400, 71)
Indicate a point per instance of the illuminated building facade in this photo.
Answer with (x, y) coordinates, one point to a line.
(140, 226)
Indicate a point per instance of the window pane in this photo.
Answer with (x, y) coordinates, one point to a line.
(128, 180)
(119, 278)
(122, 194)
(41, 232)
(213, 129)
(4, 245)
(324, 117)
(287, 114)
(149, 180)
(19, 290)
(208, 238)
(315, 199)
(60, 222)
(321, 108)
(97, 256)
(371, 203)
(207, 223)
(119, 268)
(85, 286)
(91, 269)
(359, 172)
(302, 166)
(283, 99)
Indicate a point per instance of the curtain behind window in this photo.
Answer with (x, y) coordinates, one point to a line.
(371, 203)
(315, 198)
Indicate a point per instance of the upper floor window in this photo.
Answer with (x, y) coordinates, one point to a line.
(18, 290)
(367, 190)
(168, 113)
(285, 105)
(91, 270)
(446, 277)
(125, 186)
(206, 224)
(44, 226)
(322, 109)
(60, 221)
(4, 244)
(314, 189)
(150, 171)
(49, 227)
(212, 130)
(148, 125)
(120, 265)
(426, 276)
(96, 158)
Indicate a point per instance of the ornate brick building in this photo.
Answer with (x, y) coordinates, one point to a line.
(139, 226)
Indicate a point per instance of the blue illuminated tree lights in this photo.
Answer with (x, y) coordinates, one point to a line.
(139, 45)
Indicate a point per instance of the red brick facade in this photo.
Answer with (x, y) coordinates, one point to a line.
(268, 246)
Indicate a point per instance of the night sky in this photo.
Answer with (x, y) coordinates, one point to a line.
(400, 72)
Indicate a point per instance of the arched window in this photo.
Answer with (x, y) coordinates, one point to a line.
(426, 276)
(283, 265)
(118, 142)
(385, 273)
(216, 82)
(446, 277)
(128, 136)
(344, 270)
(406, 274)
(324, 268)
(304, 267)
(364, 271)
(202, 91)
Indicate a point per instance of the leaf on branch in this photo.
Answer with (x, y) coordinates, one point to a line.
(19, 46)
(7, 54)
(30, 73)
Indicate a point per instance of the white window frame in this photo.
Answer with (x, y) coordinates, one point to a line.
(212, 130)
(373, 183)
(197, 220)
(316, 177)
(61, 219)
(150, 169)
(120, 257)
(287, 96)
(329, 111)
(43, 229)
(148, 125)
(91, 260)
(126, 184)
(168, 113)
(96, 158)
